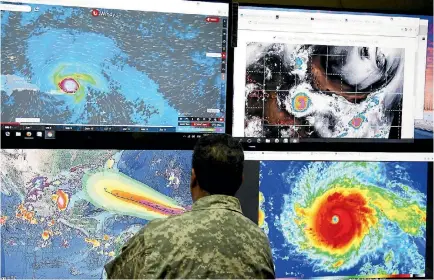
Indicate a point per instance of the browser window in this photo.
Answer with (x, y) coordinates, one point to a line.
(312, 75)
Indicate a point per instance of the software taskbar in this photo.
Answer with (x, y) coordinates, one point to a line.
(184, 127)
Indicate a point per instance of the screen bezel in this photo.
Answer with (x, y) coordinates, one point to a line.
(360, 145)
(429, 212)
(144, 140)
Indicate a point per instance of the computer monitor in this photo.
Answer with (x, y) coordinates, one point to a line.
(66, 213)
(317, 75)
(139, 66)
(347, 215)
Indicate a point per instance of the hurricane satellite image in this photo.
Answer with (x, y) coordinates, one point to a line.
(320, 91)
(346, 219)
(66, 213)
(70, 65)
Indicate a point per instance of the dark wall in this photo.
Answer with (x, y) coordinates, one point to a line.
(248, 194)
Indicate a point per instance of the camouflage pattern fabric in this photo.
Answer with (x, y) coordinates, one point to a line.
(212, 240)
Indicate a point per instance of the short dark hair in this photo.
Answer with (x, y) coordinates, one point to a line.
(218, 162)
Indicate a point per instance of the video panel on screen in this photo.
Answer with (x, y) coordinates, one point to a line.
(149, 67)
(345, 219)
(307, 75)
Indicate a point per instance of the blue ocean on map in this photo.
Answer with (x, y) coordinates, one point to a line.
(73, 52)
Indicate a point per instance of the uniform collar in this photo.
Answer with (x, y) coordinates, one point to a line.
(217, 201)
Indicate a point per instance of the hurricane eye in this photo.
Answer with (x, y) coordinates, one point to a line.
(380, 59)
(364, 52)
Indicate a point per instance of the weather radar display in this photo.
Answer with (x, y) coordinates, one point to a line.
(79, 66)
(345, 219)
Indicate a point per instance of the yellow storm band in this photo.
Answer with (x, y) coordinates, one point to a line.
(116, 192)
(78, 77)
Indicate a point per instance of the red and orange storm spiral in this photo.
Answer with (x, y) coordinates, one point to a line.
(338, 220)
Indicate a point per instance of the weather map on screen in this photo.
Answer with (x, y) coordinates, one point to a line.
(148, 70)
(66, 213)
(345, 218)
(323, 91)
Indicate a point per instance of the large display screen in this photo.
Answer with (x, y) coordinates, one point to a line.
(309, 75)
(134, 66)
(346, 218)
(66, 213)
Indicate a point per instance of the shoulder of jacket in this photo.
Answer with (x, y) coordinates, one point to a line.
(254, 229)
(161, 223)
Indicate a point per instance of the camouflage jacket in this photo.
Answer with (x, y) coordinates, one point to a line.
(212, 240)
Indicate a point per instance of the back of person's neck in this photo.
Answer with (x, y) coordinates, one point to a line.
(199, 193)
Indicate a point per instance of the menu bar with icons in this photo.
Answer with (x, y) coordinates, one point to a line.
(200, 122)
(262, 140)
(307, 15)
(185, 124)
(224, 45)
(198, 119)
(250, 140)
(192, 136)
(325, 23)
(224, 62)
(30, 134)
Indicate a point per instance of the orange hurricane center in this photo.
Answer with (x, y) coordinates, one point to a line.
(301, 102)
(144, 202)
(62, 200)
(339, 220)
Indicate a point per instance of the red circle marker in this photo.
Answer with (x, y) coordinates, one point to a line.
(69, 85)
(95, 12)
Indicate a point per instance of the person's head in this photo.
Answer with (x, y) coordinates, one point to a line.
(218, 163)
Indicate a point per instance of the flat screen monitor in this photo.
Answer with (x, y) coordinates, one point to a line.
(66, 213)
(136, 66)
(318, 75)
(347, 215)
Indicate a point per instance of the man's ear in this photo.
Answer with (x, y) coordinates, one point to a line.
(193, 179)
